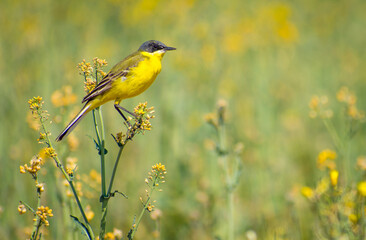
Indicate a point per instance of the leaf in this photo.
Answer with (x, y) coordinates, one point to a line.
(82, 227)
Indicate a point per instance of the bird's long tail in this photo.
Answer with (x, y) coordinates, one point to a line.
(74, 122)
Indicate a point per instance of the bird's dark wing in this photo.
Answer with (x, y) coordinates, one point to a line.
(121, 69)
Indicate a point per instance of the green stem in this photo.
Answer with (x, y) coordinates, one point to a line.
(115, 169)
(101, 143)
(68, 179)
(229, 187)
(106, 199)
(333, 133)
(137, 223)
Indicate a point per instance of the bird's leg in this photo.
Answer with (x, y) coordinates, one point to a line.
(119, 108)
(124, 109)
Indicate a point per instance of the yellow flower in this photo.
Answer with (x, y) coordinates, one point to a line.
(344, 95)
(63, 97)
(361, 162)
(109, 235)
(361, 187)
(325, 159)
(307, 192)
(44, 213)
(353, 218)
(333, 175)
(322, 186)
(318, 107)
(22, 209)
(89, 213)
(35, 103)
(73, 142)
(40, 187)
(94, 175)
(159, 167)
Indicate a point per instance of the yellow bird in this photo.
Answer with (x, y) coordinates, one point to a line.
(128, 78)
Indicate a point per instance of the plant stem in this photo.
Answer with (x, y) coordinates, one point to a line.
(229, 183)
(106, 199)
(137, 223)
(68, 179)
(115, 169)
(100, 137)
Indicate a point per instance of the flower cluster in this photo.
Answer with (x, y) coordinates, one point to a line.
(92, 75)
(35, 104)
(22, 209)
(71, 165)
(50, 152)
(337, 205)
(34, 166)
(85, 68)
(345, 96)
(44, 213)
(319, 107)
(63, 97)
(156, 175)
(141, 123)
(116, 234)
(326, 159)
(98, 65)
(143, 116)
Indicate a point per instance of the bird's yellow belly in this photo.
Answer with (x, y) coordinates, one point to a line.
(137, 81)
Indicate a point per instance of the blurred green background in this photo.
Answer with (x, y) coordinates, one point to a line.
(265, 58)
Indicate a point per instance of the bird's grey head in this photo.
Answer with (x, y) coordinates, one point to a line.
(153, 46)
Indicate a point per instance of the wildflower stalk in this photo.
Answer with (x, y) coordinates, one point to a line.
(67, 176)
(156, 176)
(37, 223)
(231, 173)
(101, 145)
(101, 150)
(137, 223)
(224, 159)
(333, 133)
(140, 125)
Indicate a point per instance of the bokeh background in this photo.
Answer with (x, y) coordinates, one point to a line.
(266, 59)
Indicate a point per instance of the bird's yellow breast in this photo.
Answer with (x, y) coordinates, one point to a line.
(139, 78)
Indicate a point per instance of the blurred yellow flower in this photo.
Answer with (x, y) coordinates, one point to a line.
(233, 42)
(361, 163)
(33, 122)
(326, 159)
(344, 95)
(353, 218)
(288, 32)
(63, 97)
(307, 192)
(361, 187)
(322, 186)
(333, 175)
(89, 213)
(95, 176)
(73, 142)
(318, 107)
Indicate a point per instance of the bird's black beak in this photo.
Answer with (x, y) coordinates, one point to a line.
(169, 48)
